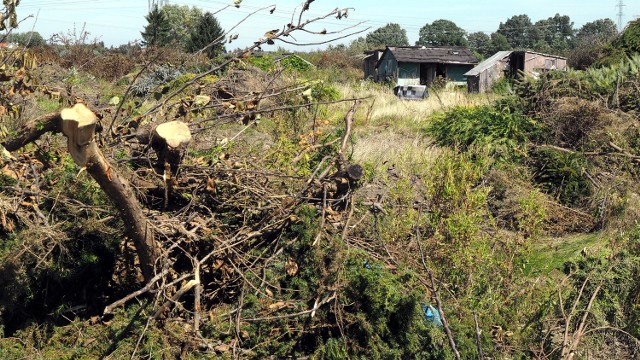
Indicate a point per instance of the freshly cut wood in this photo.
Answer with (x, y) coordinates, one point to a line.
(78, 124)
(174, 133)
(170, 140)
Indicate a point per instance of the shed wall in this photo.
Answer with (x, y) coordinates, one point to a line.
(533, 62)
(456, 72)
(387, 68)
(408, 74)
(370, 67)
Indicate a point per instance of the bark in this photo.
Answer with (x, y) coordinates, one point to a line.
(32, 130)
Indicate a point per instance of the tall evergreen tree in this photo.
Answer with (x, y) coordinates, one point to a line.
(205, 34)
(157, 31)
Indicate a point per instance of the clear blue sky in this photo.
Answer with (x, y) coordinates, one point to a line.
(119, 21)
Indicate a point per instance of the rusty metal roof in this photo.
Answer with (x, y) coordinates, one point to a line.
(442, 54)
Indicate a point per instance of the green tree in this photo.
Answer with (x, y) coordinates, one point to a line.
(591, 42)
(480, 43)
(602, 29)
(182, 19)
(388, 35)
(555, 34)
(28, 39)
(519, 32)
(207, 35)
(442, 33)
(499, 42)
(156, 33)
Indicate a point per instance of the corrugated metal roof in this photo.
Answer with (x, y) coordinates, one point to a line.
(444, 55)
(490, 62)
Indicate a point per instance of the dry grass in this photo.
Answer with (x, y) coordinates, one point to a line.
(384, 148)
(385, 109)
(389, 130)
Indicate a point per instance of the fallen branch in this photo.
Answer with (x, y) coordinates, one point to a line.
(301, 313)
(78, 124)
(148, 287)
(183, 290)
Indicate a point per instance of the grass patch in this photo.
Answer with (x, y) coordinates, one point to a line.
(46, 105)
(551, 253)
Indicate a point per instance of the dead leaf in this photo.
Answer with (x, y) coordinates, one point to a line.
(271, 34)
(88, 342)
(9, 173)
(278, 305)
(211, 185)
(223, 348)
(291, 267)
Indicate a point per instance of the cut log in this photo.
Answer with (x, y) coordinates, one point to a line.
(78, 125)
(170, 141)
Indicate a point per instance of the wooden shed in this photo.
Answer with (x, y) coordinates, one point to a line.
(510, 63)
(420, 65)
(370, 61)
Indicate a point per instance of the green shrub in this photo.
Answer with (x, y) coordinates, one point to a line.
(264, 63)
(562, 175)
(501, 127)
(323, 92)
(502, 86)
(386, 320)
(295, 63)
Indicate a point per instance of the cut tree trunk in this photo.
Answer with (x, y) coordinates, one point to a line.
(170, 141)
(78, 124)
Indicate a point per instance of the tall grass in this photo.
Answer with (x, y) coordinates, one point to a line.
(385, 109)
(389, 131)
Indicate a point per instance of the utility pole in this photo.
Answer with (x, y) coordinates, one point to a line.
(620, 7)
(157, 4)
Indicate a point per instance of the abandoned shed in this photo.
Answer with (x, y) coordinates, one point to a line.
(509, 64)
(419, 65)
(370, 61)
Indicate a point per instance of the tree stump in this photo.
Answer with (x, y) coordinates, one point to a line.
(170, 141)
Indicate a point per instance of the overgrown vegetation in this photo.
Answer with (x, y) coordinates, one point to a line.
(302, 223)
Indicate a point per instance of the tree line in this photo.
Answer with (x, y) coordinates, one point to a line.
(555, 34)
(186, 27)
(180, 26)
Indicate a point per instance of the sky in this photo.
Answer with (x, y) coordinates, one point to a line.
(120, 21)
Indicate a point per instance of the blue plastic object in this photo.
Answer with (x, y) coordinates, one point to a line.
(431, 315)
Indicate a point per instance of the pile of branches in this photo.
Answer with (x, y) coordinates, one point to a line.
(200, 232)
